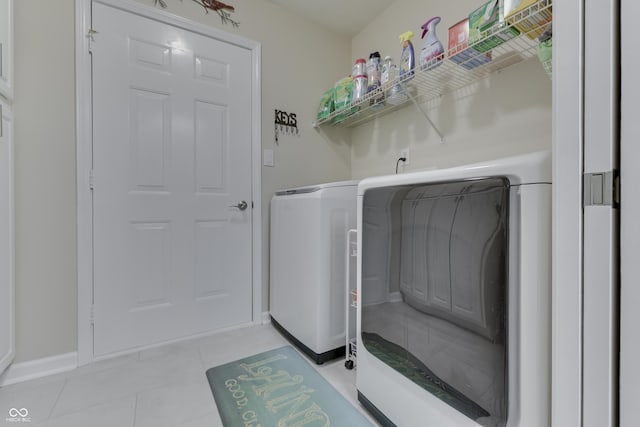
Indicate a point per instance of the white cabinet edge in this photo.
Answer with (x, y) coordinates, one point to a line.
(6, 70)
(7, 354)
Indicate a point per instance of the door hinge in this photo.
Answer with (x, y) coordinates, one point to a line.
(90, 33)
(91, 180)
(601, 189)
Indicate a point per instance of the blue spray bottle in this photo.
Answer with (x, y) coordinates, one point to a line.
(407, 59)
(432, 53)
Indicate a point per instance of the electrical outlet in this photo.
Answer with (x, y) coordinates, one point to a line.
(405, 153)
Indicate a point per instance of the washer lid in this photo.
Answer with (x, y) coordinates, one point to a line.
(314, 188)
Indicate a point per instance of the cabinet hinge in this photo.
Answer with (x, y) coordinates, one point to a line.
(92, 314)
(91, 180)
(601, 189)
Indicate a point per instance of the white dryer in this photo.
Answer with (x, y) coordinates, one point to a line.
(309, 228)
(454, 275)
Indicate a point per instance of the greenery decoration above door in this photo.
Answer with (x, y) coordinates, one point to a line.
(222, 9)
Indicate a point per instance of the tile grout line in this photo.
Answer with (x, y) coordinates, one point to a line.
(135, 411)
(135, 406)
(57, 398)
(202, 362)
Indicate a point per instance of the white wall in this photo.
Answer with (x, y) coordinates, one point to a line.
(509, 113)
(299, 61)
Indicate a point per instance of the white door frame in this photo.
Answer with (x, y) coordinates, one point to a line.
(600, 222)
(84, 156)
(629, 213)
(568, 137)
(584, 298)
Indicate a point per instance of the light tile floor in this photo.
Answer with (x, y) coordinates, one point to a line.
(164, 386)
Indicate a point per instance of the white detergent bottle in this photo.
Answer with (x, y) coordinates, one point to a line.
(432, 53)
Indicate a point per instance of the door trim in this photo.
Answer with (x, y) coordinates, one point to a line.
(567, 239)
(629, 374)
(84, 156)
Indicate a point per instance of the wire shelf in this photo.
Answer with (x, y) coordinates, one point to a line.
(456, 70)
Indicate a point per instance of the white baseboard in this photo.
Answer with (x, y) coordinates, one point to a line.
(394, 297)
(266, 318)
(32, 369)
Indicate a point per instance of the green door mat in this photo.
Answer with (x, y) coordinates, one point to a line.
(278, 388)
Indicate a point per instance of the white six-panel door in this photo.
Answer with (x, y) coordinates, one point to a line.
(172, 160)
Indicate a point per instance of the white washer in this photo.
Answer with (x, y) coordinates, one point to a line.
(309, 228)
(454, 275)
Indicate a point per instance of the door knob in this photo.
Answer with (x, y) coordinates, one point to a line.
(242, 205)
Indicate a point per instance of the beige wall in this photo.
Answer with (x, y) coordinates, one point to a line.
(509, 113)
(299, 61)
(44, 110)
